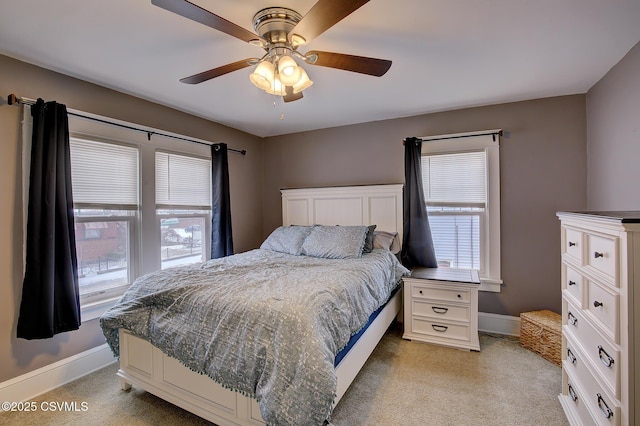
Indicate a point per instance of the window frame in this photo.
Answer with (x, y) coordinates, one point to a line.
(489, 142)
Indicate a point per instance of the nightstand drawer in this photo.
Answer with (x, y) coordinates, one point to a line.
(440, 329)
(440, 311)
(440, 293)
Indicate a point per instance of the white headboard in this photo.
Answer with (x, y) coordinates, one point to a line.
(379, 205)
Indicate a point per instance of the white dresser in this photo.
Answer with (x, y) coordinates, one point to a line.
(600, 327)
(441, 307)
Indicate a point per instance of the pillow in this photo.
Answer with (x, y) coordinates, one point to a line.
(386, 240)
(335, 242)
(368, 239)
(287, 239)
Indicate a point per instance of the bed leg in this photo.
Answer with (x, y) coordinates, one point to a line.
(124, 385)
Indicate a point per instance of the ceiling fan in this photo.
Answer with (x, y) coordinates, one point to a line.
(280, 31)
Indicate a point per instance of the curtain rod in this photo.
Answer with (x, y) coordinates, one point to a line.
(494, 134)
(15, 100)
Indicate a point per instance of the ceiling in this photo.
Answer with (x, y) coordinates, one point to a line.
(447, 54)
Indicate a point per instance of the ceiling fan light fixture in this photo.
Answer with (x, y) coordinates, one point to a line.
(303, 83)
(277, 88)
(263, 76)
(288, 71)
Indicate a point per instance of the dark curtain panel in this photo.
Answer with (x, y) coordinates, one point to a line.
(50, 296)
(417, 244)
(221, 239)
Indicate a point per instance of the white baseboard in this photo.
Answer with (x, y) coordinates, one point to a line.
(499, 324)
(37, 382)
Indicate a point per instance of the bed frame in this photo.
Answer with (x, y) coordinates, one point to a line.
(146, 367)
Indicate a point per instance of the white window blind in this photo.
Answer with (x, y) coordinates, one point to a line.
(182, 181)
(455, 179)
(104, 174)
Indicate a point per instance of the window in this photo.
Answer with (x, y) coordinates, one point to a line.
(183, 200)
(105, 194)
(460, 176)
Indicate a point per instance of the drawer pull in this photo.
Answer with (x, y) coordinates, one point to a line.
(571, 356)
(459, 296)
(571, 244)
(439, 328)
(572, 319)
(420, 291)
(606, 359)
(606, 411)
(598, 254)
(572, 394)
(439, 309)
(572, 283)
(597, 304)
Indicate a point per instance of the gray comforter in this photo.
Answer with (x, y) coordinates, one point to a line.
(262, 323)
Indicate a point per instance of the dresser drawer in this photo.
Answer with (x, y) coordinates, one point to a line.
(603, 305)
(577, 401)
(602, 254)
(440, 329)
(574, 284)
(604, 408)
(440, 293)
(590, 347)
(573, 244)
(440, 311)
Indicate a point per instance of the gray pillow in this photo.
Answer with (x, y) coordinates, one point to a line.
(335, 242)
(368, 240)
(287, 239)
(386, 240)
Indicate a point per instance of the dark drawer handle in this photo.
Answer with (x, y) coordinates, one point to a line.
(571, 244)
(572, 319)
(605, 358)
(439, 309)
(439, 328)
(597, 255)
(597, 304)
(606, 411)
(420, 291)
(571, 356)
(572, 283)
(572, 394)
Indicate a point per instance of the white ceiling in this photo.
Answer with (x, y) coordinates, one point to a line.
(446, 54)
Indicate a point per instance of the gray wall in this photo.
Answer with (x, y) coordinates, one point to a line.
(18, 356)
(613, 137)
(543, 170)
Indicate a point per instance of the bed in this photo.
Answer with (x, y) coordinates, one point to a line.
(343, 304)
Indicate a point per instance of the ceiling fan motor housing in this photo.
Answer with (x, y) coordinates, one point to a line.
(274, 24)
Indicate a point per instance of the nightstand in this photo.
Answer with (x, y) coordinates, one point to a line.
(441, 307)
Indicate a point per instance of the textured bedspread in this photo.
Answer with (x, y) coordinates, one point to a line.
(262, 323)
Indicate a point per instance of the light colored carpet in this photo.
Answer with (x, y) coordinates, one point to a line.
(403, 383)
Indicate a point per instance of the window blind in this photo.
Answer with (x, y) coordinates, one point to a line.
(104, 174)
(182, 181)
(454, 179)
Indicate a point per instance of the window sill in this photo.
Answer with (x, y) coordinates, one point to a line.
(490, 285)
(93, 310)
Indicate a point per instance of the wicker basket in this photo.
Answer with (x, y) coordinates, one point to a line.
(541, 332)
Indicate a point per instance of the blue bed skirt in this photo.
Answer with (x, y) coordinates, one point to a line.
(357, 336)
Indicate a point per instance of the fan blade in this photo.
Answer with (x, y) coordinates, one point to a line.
(290, 96)
(322, 16)
(217, 72)
(198, 14)
(361, 64)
